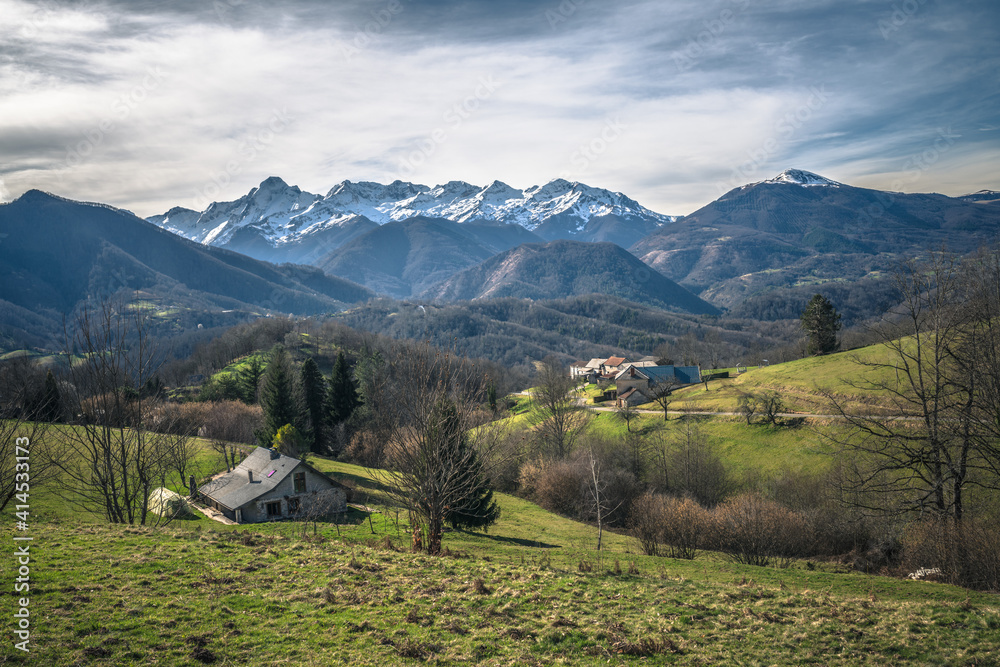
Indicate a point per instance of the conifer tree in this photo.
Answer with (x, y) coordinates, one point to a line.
(342, 395)
(249, 377)
(313, 399)
(277, 396)
(821, 322)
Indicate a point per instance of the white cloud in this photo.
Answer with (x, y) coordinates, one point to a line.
(151, 111)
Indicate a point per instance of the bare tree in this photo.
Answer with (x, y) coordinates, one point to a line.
(596, 490)
(937, 382)
(627, 413)
(663, 394)
(691, 468)
(440, 442)
(21, 434)
(747, 404)
(559, 417)
(771, 405)
(110, 463)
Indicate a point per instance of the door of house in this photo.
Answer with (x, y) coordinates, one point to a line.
(239, 516)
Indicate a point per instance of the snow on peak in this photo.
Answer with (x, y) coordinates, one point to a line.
(279, 211)
(801, 177)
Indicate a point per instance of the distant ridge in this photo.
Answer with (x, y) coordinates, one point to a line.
(561, 269)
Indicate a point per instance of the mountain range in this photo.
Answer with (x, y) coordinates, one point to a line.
(279, 222)
(57, 254)
(759, 251)
(802, 231)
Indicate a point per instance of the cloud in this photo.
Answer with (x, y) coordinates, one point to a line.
(150, 106)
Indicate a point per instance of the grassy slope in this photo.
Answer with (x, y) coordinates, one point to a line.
(801, 383)
(264, 595)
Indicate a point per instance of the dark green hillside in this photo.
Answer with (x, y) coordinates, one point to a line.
(562, 269)
(405, 257)
(779, 235)
(57, 253)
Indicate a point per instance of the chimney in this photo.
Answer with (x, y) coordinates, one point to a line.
(250, 475)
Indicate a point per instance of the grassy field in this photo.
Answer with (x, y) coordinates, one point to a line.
(532, 591)
(801, 384)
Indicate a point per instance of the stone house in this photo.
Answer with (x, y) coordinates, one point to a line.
(268, 486)
(638, 384)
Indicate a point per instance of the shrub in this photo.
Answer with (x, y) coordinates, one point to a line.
(967, 555)
(685, 527)
(757, 531)
(645, 522)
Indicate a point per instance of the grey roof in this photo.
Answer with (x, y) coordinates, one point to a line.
(657, 374)
(234, 489)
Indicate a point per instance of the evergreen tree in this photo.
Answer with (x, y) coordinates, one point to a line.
(277, 396)
(821, 321)
(249, 377)
(491, 397)
(342, 396)
(474, 506)
(51, 405)
(313, 399)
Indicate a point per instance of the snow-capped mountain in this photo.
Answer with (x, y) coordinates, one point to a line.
(801, 177)
(280, 222)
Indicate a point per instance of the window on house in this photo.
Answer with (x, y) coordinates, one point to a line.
(300, 482)
(274, 509)
(293, 505)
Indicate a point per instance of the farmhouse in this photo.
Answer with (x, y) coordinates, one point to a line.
(639, 384)
(268, 486)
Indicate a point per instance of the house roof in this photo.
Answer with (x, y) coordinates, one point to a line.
(595, 363)
(628, 393)
(234, 489)
(615, 361)
(649, 357)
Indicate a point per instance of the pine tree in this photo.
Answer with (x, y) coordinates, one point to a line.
(475, 507)
(249, 377)
(821, 322)
(342, 396)
(277, 396)
(313, 399)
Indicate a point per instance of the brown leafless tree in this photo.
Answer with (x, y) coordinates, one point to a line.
(937, 380)
(21, 434)
(557, 414)
(110, 462)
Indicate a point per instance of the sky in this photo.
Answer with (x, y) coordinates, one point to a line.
(151, 105)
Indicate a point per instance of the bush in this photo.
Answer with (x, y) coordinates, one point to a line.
(232, 421)
(967, 555)
(686, 524)
(667, 526)
(757, 531)
(646, 522)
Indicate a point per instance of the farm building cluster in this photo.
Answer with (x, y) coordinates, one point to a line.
(635, 382)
